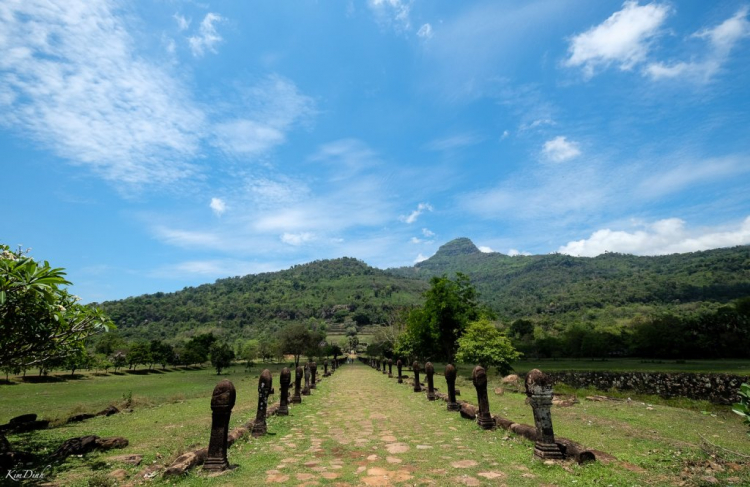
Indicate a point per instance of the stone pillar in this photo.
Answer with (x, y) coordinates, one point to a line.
(484, 418)
(222, 402)
(313, 373)
(429, 371)
(390, 368)
(399, 364)
(306, 390)
(384, 363)
(325, 368)
(415, 368)
(539, 391)
(264, 389)
(285, 378)
(298, 374)
(450, 378)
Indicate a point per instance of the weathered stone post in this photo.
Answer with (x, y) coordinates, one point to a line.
(306, 390)
(539, 391)
(222, 402)
(384, 364)
(450, 378)
(313, 373)
(325, 368)
(429, 371)
(484, 418)
(298, 374)
(399, 364)
(285, 378)
(265, 383)
(390, 368)
(415, 368)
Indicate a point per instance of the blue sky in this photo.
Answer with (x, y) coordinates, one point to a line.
(152, 145)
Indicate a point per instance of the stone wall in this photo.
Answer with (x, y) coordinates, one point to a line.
(716, 388)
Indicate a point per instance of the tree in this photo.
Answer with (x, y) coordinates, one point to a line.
(295, 339)
(221, 356)
(140, 353)
(161, 353)
(484, 344)
(40, 321)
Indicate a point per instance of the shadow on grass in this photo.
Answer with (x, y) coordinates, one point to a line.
(44, 379)
(144, 372)
(4, 382)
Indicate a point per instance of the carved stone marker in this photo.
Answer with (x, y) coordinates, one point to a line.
(484, 418)
(306, 390)
(298, 374)
(313, 374)
(539, 391)
(325, 368)
(285, 378)
(390, 368)
(429, 371)
(264, 389)
(398, 368)
(415, 368)
(450, 378)
(384, 364)
(222, 402)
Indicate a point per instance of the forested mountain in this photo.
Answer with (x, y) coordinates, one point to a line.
(321, 292)
(552, 290)
(610, 286)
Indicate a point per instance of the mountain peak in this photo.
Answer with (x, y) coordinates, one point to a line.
(458, 246)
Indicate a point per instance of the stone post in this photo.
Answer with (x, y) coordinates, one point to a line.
(429, 371)
(384, 364)
(222, 402)
(313, 373)
(285, 378)
(450, 378)
(264, 389)
(484, 418)
(399, 364)
(390, 368)
(325, 368)
(306, 390)
(415, 368)
(539, 391)
(298, 374)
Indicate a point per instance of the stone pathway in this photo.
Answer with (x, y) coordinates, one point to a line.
(361, 428)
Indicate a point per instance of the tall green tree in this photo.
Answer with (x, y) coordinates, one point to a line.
(40, 321)
(484, 344)
(221, 356)
(295, 339)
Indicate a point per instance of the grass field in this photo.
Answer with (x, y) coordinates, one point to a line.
(346, 431)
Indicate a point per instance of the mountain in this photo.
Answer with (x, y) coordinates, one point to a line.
(554, 289)
(612, 285)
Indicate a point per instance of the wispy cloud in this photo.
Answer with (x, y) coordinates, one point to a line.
(74, 84)
(420, 258)
(212, 268)
(667, 236)
(453, 142)
(182, 22)
(679, 176)
(560, 149)
(207, 37)
(427, 233)
(485, 249)
(623, 39)
(720, 39)
(514, 252)
(392, 12)
(297, 239)
(414, 215)
(425, 32)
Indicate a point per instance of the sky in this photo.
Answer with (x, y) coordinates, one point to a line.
(152, 145)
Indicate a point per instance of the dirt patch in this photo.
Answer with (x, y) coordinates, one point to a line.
(464, 464)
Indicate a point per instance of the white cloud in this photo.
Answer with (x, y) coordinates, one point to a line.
(393, 12)
(182, 22)
(623, 39)
(207, 37)
(677, 177)
(427, 233)
(73, 82)
(270, 108)
(215, 268)
(485, 249)
(420, 258)
(514, 252)
(667, 236)
(721, 40)
(425, 31)
(416, 240)
(297, 239)
(453, 142)
(505, 135)
(560, 149)
(412, 217)
(540, 122)
(346, 157)
(188, 238)
(218, 206)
